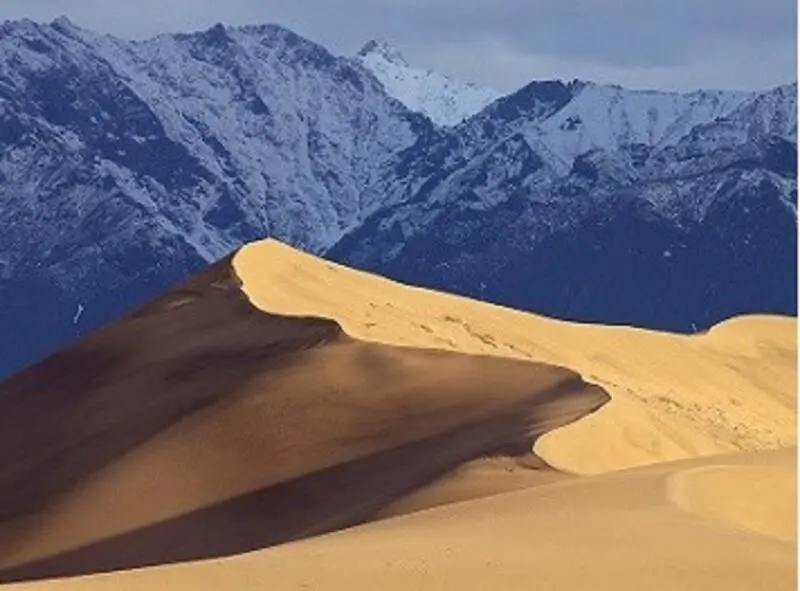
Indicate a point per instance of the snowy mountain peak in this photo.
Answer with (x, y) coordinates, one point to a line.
(384, 50)
(444, 101)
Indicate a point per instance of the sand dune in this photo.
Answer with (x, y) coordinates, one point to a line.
(202, 411)
(477, 446)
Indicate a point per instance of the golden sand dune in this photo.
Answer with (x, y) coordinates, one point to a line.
(201, 413)
(673, 396)
(203, 427)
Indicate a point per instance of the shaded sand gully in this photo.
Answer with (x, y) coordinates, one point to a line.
(200, 426)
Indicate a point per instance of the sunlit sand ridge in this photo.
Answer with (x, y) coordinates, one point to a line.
(673, 396)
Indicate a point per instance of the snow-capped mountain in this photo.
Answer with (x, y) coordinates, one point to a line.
(591, 116)
(274, 113)
(607, 117)
(669, 232)
(560, 121)
(597, 116)
(444, 100)
(124, 166)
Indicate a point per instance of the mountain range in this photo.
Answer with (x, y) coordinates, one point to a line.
(657, 220)
(131, 164)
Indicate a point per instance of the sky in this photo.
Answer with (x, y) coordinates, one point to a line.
(660, 44)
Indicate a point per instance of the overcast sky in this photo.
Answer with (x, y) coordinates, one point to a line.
(667, 44)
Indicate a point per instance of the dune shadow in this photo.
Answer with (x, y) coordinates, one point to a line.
(80, 408)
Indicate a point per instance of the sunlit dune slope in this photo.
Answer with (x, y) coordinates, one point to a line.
(673, 396)
(201, 426)
(618, 531)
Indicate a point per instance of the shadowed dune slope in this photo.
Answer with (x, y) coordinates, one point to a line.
(673, 396)
(201, 426)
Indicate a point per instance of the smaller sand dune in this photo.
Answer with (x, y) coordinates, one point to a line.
(759, 498)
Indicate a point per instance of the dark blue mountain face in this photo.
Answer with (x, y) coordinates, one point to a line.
(636, 269)
(39, 315)
(78, 251)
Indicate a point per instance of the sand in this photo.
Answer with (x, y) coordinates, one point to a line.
(673, 396)
(477, 446)
(204, 412)
(614, 531)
